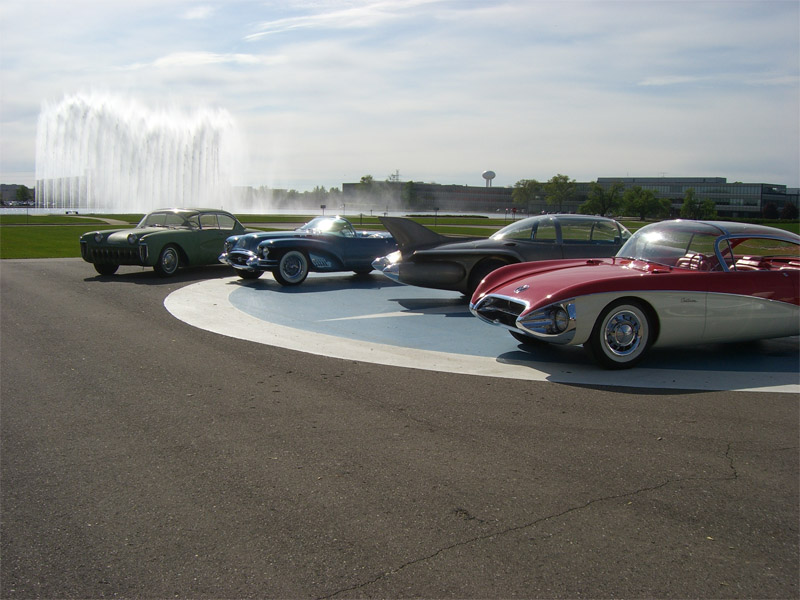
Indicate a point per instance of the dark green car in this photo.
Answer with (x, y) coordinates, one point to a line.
(164, 239)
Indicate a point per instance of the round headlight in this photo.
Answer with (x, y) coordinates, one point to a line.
(132, 238)
(560, 319)
(98, 237)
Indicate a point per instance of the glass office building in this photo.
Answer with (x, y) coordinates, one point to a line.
(738, 200)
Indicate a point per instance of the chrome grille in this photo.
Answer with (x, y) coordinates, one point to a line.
(239, 258)
(121, 256)
(500, 310)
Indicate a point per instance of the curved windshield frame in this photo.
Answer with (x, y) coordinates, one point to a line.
(534, 228)
(664, 243)
(702, 246)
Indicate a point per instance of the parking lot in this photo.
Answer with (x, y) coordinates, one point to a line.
(147, 456)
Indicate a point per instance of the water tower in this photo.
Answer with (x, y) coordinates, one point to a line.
(488, 176)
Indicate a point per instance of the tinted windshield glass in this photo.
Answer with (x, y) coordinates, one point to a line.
(163, 219)
(575, 230)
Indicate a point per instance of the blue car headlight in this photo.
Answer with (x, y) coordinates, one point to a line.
(132, 238)
(98, 237)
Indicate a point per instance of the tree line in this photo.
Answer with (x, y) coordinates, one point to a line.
(614, 199)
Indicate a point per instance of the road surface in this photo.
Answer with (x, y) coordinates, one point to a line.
(146, 457)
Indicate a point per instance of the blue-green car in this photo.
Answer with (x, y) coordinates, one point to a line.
(164, 239)
(323, 245)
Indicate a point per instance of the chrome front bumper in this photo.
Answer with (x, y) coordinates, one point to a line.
(238, 260)
(506, 312)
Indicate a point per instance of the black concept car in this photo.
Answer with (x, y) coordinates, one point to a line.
(428, 259)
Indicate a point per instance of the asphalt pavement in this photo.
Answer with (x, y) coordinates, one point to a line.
(143, 457)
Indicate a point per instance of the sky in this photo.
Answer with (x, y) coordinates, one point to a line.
(325, 92)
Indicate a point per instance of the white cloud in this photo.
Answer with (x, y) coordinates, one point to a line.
(193, 59)
(670, 80)
(359, 15)
(440, 89)
(198, 13)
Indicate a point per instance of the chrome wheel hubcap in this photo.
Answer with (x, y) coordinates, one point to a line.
(293, 267)
(623, 333)
(169, 261)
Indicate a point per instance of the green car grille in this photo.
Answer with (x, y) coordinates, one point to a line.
(120, 256)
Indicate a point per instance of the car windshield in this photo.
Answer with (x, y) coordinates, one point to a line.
(333, 225)
(167, 219)
(671, 242)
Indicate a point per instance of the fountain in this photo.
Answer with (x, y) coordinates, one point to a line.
(106, 153)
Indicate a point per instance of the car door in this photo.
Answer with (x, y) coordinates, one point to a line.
(759, 294)
(752, 304)
(540, 243)
(359, 252)
(586, 238)
(215, 228)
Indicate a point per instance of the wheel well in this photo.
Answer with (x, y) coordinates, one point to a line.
(183, 259)
(285, 251)
(182, 256)
(500, 261)
(480, 269)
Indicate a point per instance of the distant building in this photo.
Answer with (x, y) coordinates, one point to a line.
(426, 197)
(9, 195)
(735, 200)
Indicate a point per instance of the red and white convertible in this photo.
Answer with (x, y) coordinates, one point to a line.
(673, 283)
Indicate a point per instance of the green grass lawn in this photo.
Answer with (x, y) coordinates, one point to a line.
(56, 236)
(42, 241)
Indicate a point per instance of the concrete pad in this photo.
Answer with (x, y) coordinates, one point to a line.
(370, 318)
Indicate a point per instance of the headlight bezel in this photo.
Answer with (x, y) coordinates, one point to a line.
(551, 320)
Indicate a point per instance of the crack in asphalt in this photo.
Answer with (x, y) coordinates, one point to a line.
(731, 463)
(733, 477)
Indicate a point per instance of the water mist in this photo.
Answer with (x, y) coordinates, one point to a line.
(112, 154)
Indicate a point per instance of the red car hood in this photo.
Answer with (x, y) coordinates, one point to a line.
(554, 280)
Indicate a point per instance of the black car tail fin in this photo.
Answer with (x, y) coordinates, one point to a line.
(410, 235)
